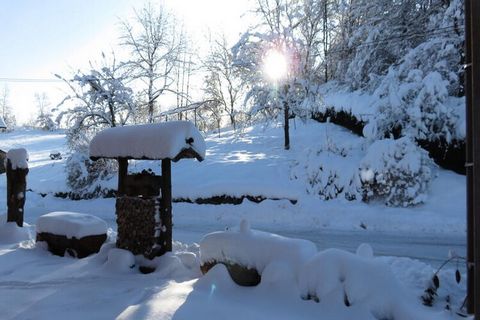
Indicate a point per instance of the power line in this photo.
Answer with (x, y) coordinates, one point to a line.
(39, 80)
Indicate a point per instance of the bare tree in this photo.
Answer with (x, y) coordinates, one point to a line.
(222, 83)
(6, 108)
(44, 119)
(155, 44)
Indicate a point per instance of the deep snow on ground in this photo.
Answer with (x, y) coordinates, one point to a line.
(33, 283)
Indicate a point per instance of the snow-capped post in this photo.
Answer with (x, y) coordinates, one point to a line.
(144, 200)
(17, 170)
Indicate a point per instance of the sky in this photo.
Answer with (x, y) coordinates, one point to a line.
(47, 37)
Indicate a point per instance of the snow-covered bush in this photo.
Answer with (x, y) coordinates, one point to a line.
(327, 172)
(395, 171)
(83, 174)
(45, 122)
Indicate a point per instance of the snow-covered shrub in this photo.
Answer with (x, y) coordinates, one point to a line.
(328, 171)
(339, 278)
(84, 174)
(395, 171)
(324, 172)
(45, 122)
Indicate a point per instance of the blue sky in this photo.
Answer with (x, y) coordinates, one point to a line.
(43, 37)
(37, 34)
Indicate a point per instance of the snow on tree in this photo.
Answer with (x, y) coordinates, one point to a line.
(99, 99)
(6, 109)
(44, 119)
(222, 84)
(279, 33)
(155, 43)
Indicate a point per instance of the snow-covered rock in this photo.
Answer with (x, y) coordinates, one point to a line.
(149, 141)
(71, 224)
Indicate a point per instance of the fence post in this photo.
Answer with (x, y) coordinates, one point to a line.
(16, 187)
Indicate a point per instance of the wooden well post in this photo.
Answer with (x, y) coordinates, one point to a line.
(16, 188)
(144, 200)
(144, 209)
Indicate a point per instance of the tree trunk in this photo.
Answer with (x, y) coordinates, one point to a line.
(16, 187)
(286, 127)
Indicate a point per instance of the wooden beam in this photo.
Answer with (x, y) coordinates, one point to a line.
(165, 240)
(473, 11)
(469, 160)
(122, 173)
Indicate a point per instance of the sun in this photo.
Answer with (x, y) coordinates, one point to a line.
(275, 65)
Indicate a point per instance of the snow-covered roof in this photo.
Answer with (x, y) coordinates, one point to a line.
(2, 123)
(169, 140)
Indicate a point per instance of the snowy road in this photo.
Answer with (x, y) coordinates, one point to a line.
(429, 248)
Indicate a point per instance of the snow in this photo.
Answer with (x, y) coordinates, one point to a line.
(2, 123)
(11, 233)
(148, 141)
(255, 249)
(18, 158)
(71, 224)
(368, 286)
(34, 283)
(119, 261)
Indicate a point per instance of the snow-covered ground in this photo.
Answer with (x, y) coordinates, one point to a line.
(35, 284)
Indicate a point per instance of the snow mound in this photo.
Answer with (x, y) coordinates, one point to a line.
(255, 249)
(11, 233)
(71, 224)
(18, 158)
(120, 261)
(149, 141)
(335, 276)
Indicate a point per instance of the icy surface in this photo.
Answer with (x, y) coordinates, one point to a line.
(18, 158)
(254, 249)
(71, 224)
(150, 141)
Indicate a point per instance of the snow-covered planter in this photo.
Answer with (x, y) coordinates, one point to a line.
(77, 233)
(341, 279)
(395, 171)
(247, 253)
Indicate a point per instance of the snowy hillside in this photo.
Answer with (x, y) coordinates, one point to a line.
(33, 283)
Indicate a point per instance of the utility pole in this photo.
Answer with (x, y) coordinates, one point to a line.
(472, 77)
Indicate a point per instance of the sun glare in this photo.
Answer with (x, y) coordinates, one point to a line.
(275, 65)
